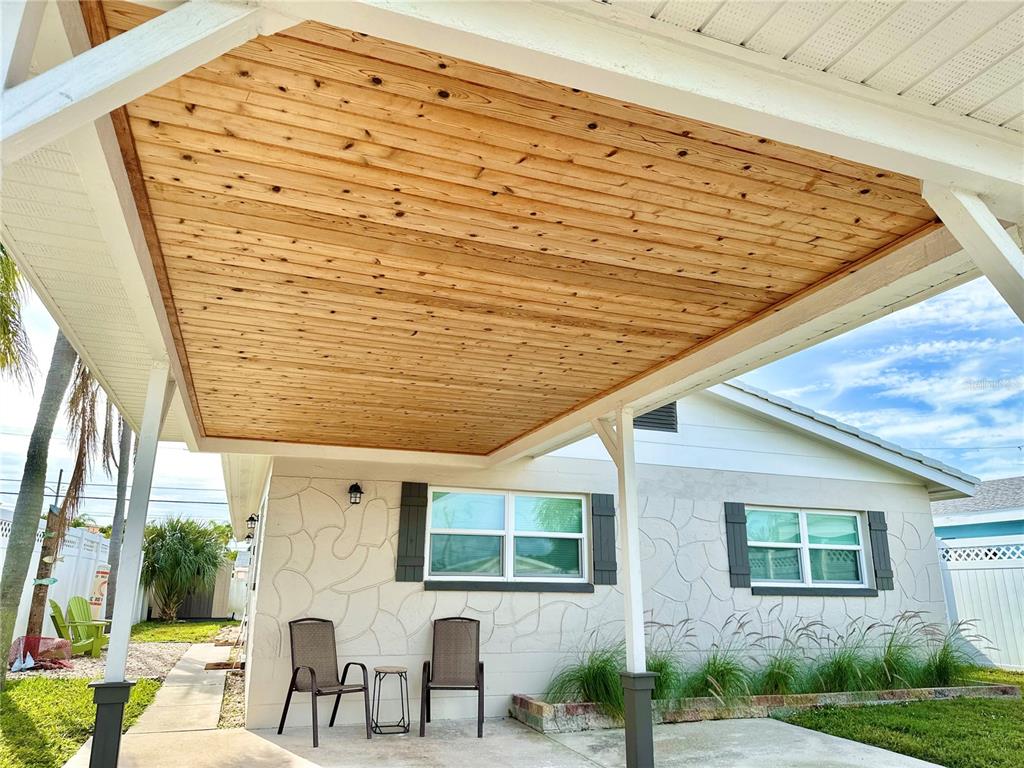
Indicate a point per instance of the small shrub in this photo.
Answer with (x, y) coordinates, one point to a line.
(670, 673)
(663, 656)
(899, 663)
(844, 665)
(782, 668)
(949, 661)
(722, 673)
(593, 677)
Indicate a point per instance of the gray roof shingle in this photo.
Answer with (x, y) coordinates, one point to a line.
(992, 495)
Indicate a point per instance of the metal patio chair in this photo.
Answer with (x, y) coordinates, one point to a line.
(315, 671)
(454, 666)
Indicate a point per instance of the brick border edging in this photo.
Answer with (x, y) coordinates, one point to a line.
(569, 717)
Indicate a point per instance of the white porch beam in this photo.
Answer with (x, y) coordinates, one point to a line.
(908, 274)
(624, 55)
(101, 79)
(980, 233)
(609, 438)
(19, 29)
(224, 445)
(159, 391)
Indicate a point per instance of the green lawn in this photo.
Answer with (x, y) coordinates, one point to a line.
(961, 733)
(178, 632)
(44, 720)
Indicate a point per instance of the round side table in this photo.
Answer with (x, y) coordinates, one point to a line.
(401, 725)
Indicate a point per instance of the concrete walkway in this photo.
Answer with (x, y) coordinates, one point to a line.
(188, 701)
(506, 744)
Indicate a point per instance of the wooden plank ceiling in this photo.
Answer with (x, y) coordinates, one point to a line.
(365, 244)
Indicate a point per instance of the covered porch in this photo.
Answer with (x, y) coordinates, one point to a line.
(450, 238)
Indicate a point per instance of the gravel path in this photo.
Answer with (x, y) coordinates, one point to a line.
(144, 660)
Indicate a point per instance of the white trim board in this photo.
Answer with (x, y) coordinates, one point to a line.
(942, 482)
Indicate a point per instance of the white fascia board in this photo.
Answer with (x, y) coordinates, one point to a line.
(977, 518)
(246, 483)
(98, 80)
(937, 480)
(624, 55)
(932, 264)
(341, 453)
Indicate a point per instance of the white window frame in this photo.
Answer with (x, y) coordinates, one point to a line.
(805, 548)
(509, 534)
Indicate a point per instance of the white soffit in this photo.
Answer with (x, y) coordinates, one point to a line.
(51, 229)
(52, 221)
(964, 58)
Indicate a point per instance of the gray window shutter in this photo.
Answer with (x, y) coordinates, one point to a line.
(736, 544)
(412, 532)
(602, 515)
(878, 530)
(660, 419)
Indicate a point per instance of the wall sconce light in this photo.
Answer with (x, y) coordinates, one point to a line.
(250, 522)
(248, 537)
(355, 493)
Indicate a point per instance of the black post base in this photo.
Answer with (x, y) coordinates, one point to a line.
(110, 699)
(637, 688)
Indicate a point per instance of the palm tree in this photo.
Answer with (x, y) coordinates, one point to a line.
(83, 432)
(180, 557)
(124, 452)
(30, 494)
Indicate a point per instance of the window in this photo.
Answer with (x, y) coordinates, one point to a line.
(505, 536)
(805, 547)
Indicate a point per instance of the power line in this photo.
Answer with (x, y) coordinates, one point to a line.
(151, 501)
(114, 485)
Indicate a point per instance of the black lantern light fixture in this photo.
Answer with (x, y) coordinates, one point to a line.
(248, 537)
(250, 522)
(355, 493)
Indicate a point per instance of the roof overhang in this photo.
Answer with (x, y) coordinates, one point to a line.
(975, 518)
(941, 481)
(573, 46)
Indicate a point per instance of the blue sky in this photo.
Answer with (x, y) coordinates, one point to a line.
(191, 483)
(944, 377)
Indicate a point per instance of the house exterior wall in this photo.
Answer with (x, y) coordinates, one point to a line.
(320, 556)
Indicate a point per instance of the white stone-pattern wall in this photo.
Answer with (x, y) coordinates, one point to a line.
(322, 557)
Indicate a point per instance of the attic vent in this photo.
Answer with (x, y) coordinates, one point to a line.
(660, 419)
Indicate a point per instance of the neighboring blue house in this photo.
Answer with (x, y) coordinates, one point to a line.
(997, 509)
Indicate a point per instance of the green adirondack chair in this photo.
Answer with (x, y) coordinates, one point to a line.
(77, 646)
(84, 627)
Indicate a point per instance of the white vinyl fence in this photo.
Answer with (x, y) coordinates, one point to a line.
(984, 581)
(82, 553)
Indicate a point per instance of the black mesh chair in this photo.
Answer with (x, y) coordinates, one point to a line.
(315, 670)
(454, 666)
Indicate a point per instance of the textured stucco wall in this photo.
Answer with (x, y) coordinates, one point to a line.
(322, 557)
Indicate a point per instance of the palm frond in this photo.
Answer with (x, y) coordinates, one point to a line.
(16, 359)
(83, 434)
(108, 459)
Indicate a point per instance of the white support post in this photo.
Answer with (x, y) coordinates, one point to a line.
(629, 535)
(19, 29)
(159, 392)
(101, 79)
(978, 230)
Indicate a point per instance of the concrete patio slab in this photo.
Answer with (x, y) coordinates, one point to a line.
(761, 743)
(506, 744)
